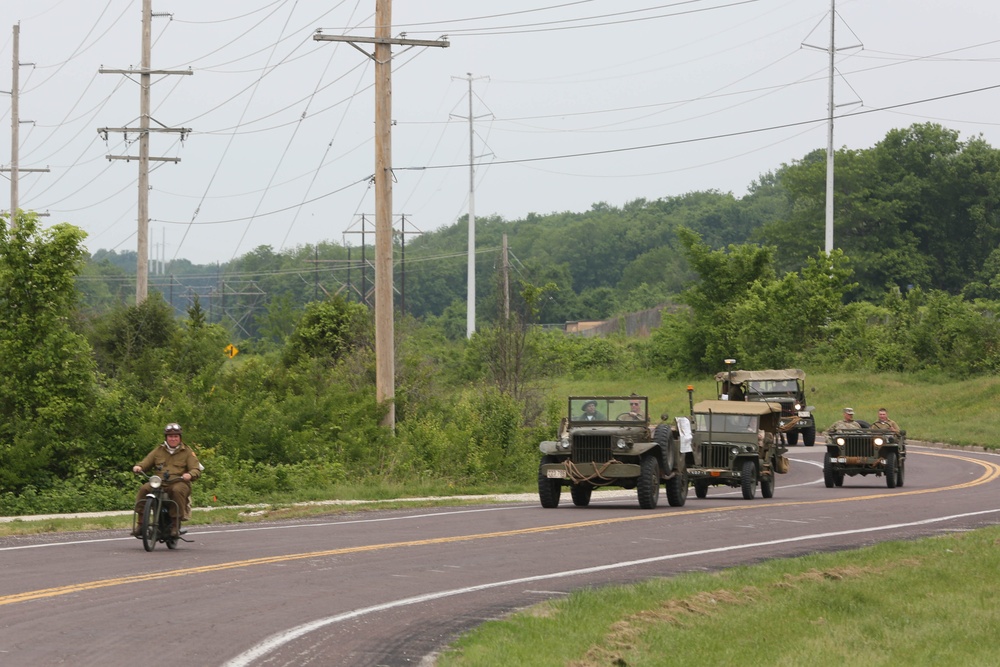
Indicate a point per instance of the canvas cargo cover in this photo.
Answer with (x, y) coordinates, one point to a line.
(737, 407)
(740, 377)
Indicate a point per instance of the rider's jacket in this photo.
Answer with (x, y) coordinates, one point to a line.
(182, 461)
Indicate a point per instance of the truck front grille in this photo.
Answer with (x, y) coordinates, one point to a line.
(591, 448)
(715, 456)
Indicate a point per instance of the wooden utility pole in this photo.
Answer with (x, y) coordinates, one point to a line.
(385, 365)
(145, 73)
(15, 124)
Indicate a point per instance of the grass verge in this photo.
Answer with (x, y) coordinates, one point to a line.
(926, 602)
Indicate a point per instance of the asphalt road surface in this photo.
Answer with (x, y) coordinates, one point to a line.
(392, 587)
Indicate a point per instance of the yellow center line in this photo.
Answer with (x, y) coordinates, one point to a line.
(992, 472)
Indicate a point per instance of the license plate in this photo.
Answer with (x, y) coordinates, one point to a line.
(560, 474)
(804, 414)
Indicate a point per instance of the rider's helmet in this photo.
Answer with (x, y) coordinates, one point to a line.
(172, 427)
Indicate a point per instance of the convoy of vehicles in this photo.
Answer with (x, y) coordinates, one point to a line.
(738, 440)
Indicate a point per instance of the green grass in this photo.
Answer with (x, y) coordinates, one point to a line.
(925, 602)
(959, 412)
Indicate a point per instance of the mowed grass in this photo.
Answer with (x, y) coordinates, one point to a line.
(927, 602)
(959, 412)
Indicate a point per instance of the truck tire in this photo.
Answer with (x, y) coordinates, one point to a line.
(581, 493)
(792, 437)
(648, 488)
(664, 437)
(548, 489)
(677, 489)
(809, 436)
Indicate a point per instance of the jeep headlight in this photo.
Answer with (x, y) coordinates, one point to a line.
(621, 445)
(735, 450)
(840, 441)
(564, 442)
(879, 442)
(155, 481)
(798, 406)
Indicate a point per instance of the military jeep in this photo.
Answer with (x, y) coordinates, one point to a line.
(608, 441)
(736, 444)
(864, 451)
(786, 387)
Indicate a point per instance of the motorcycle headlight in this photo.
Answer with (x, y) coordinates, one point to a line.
(879, 442)
(840, 441)
(155, 481)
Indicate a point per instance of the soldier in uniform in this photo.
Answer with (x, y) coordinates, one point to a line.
(846, 423)
(884, 423)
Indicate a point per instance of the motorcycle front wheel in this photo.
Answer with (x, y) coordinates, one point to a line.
(150, 525)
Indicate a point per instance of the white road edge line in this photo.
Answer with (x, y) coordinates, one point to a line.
(278, 640)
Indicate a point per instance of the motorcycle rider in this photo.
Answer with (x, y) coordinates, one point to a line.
(173, 457)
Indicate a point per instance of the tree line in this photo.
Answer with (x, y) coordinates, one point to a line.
(91, 378)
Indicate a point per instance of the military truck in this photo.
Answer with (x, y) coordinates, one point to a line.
(736, 443)
(609, 441)
(786, 387)
(864, 451)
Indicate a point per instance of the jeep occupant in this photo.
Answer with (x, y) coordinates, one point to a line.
(846, 423)
(883, 423)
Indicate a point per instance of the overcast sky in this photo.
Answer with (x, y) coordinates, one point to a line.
(575, 102)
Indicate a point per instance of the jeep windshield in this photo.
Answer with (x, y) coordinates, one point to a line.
(722, 423)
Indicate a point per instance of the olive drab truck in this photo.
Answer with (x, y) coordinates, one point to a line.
(786, 387)
(609, 441)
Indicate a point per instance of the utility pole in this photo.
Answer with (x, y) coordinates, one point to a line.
(831, 50)
(15, 124)
(470, 310)
(505, 271)
(145, 73)
(385, 366)
(829, 133)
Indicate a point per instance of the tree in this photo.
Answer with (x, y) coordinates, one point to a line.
(49, 386)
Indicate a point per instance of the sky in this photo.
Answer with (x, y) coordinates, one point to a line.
(574, 103)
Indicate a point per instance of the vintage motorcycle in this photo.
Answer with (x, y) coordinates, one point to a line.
(155, 522)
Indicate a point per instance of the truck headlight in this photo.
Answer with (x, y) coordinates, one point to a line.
(564, 442)
(621, 445)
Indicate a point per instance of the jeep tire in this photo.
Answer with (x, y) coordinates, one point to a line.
(890, 470)
(748, 480)
(809, 436)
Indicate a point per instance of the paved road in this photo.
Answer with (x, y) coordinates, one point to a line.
(391, 587)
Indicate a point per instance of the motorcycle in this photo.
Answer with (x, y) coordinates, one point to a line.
(155, 522)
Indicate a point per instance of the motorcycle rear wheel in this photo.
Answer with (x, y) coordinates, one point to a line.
(150, 525)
